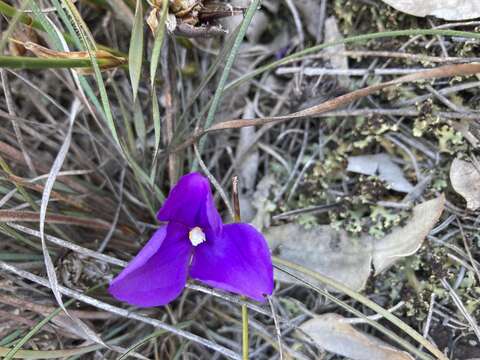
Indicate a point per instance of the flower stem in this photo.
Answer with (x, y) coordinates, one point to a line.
(245, 344)
(236, 212)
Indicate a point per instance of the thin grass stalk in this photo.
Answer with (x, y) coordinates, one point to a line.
(11, 354)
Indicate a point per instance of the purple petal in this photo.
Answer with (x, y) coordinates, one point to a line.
(158, 274)
(238, 261)
(190, 203)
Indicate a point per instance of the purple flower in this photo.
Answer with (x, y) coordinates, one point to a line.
(195, 243)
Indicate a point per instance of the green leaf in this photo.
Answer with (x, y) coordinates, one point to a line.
(135, 52)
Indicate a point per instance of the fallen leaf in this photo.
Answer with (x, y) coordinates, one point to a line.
(333, 333)
(465, 178)
(444, 9)
(348, 260)
(406, 240)
(324, 250)
(382, 166)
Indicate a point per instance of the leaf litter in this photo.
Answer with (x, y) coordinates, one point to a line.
(333, 333)
(347, 259)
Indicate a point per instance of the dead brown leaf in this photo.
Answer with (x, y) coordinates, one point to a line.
(333, 333)
(324, 250)
(406, 240)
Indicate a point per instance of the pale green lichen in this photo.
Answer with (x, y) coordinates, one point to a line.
(449, 140)
(384, 219)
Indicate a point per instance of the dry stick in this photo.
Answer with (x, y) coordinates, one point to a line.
(333, 104)
(121, 312)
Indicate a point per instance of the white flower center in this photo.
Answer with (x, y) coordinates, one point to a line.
(196, 236)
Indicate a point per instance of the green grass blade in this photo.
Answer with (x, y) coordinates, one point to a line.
(156, 123)
(11, 337)
(87, 41)
(11, 26)
(252, 8)
(154, 61)
(10, 12)
(25, 62)
(139, 123)
(49, 354)
(135, 52)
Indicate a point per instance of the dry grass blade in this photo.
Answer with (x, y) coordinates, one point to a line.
(109, 60)
(32, 216)
(56, 167)
(68, 245)
(340, 101)
(121, 312)
(440, 72)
